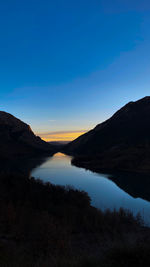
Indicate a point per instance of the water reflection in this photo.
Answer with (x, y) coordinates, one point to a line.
(22, 166)
(104, 193)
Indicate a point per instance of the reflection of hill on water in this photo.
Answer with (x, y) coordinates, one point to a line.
(135, 184)
(20, 166)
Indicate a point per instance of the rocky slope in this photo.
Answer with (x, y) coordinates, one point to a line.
(121, 142)
(17, 139)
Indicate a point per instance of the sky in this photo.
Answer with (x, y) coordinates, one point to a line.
(66, 66)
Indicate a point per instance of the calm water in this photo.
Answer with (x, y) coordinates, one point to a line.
(103, 192)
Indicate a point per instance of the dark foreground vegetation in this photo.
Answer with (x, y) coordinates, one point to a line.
(42, 225)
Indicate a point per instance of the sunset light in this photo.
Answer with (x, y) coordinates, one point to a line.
(61, 136)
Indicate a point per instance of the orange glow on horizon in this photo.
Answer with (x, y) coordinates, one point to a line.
(60, 136)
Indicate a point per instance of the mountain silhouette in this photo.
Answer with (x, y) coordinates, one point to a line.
(121, 142)
(17, 139)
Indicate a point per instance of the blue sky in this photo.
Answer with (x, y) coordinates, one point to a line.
(68, 65)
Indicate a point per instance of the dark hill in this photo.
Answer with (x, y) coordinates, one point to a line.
(121, 142)
(17, 138)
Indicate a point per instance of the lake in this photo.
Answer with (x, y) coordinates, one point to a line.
(103, 192)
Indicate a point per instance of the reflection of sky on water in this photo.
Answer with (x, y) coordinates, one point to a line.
(103, 192)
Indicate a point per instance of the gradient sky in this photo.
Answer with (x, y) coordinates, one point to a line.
(67, 65)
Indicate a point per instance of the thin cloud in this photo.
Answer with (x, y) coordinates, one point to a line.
(61, 135)
(63, 132)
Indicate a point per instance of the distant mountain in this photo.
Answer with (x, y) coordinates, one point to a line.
(58, 143)
(121, 142)
(17, 139)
